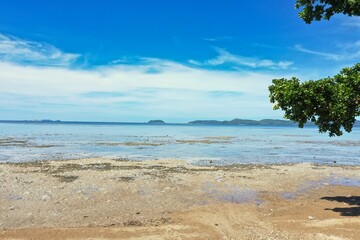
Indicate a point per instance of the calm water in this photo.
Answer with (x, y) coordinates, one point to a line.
(197, 144)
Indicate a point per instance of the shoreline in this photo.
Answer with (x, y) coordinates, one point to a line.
(160, 198)
(196, 162)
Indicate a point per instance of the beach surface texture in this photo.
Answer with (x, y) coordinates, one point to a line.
(172, 199)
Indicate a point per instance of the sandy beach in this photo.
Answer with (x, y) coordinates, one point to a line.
(171, 199)
(180, 120)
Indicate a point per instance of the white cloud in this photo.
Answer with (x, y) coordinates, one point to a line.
(175, 91)
(226, 57)
(284, 64)
(17, 50)
(194, 62)
(37, 82)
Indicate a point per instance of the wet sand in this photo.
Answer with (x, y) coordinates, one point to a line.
(170, 199)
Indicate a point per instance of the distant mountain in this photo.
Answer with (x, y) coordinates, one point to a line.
(237, 121)
(264, 122)
(48, 120)
(156, 122)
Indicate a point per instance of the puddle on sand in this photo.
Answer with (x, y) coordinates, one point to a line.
(332, 180)
(349, 182)
(15, 197)
(232, 194)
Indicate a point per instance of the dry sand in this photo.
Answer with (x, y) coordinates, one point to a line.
(170, 199)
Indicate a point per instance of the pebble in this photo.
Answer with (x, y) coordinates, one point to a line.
(311, 218)
(219, 179)
(12, 208)
(45, 197)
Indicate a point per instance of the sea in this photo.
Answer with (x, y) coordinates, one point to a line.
(197, 144)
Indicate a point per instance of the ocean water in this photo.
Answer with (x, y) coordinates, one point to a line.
(203, 144)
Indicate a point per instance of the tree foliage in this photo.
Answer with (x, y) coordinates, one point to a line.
(331, 103)
(324, 9)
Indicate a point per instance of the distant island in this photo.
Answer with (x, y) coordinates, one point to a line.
(237, 121)
(263, 122)
(234, 122)
(47, 120)
(156, 122)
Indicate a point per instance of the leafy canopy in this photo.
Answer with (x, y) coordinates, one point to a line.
(324, 9)
(331, 103)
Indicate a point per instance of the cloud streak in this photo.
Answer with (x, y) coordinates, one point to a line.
(352, 22)
(225, 58)
(349, 51)
(219, 39)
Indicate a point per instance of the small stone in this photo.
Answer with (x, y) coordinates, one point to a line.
(45, 197)
(311, 218)
(219, 179)
(12, 208)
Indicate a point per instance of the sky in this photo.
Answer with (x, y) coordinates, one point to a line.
(136, 60)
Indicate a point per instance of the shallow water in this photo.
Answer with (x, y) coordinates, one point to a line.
(196, 144)
(232, 194)
(312, 185)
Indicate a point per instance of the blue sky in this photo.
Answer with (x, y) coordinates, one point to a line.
(173, 60)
